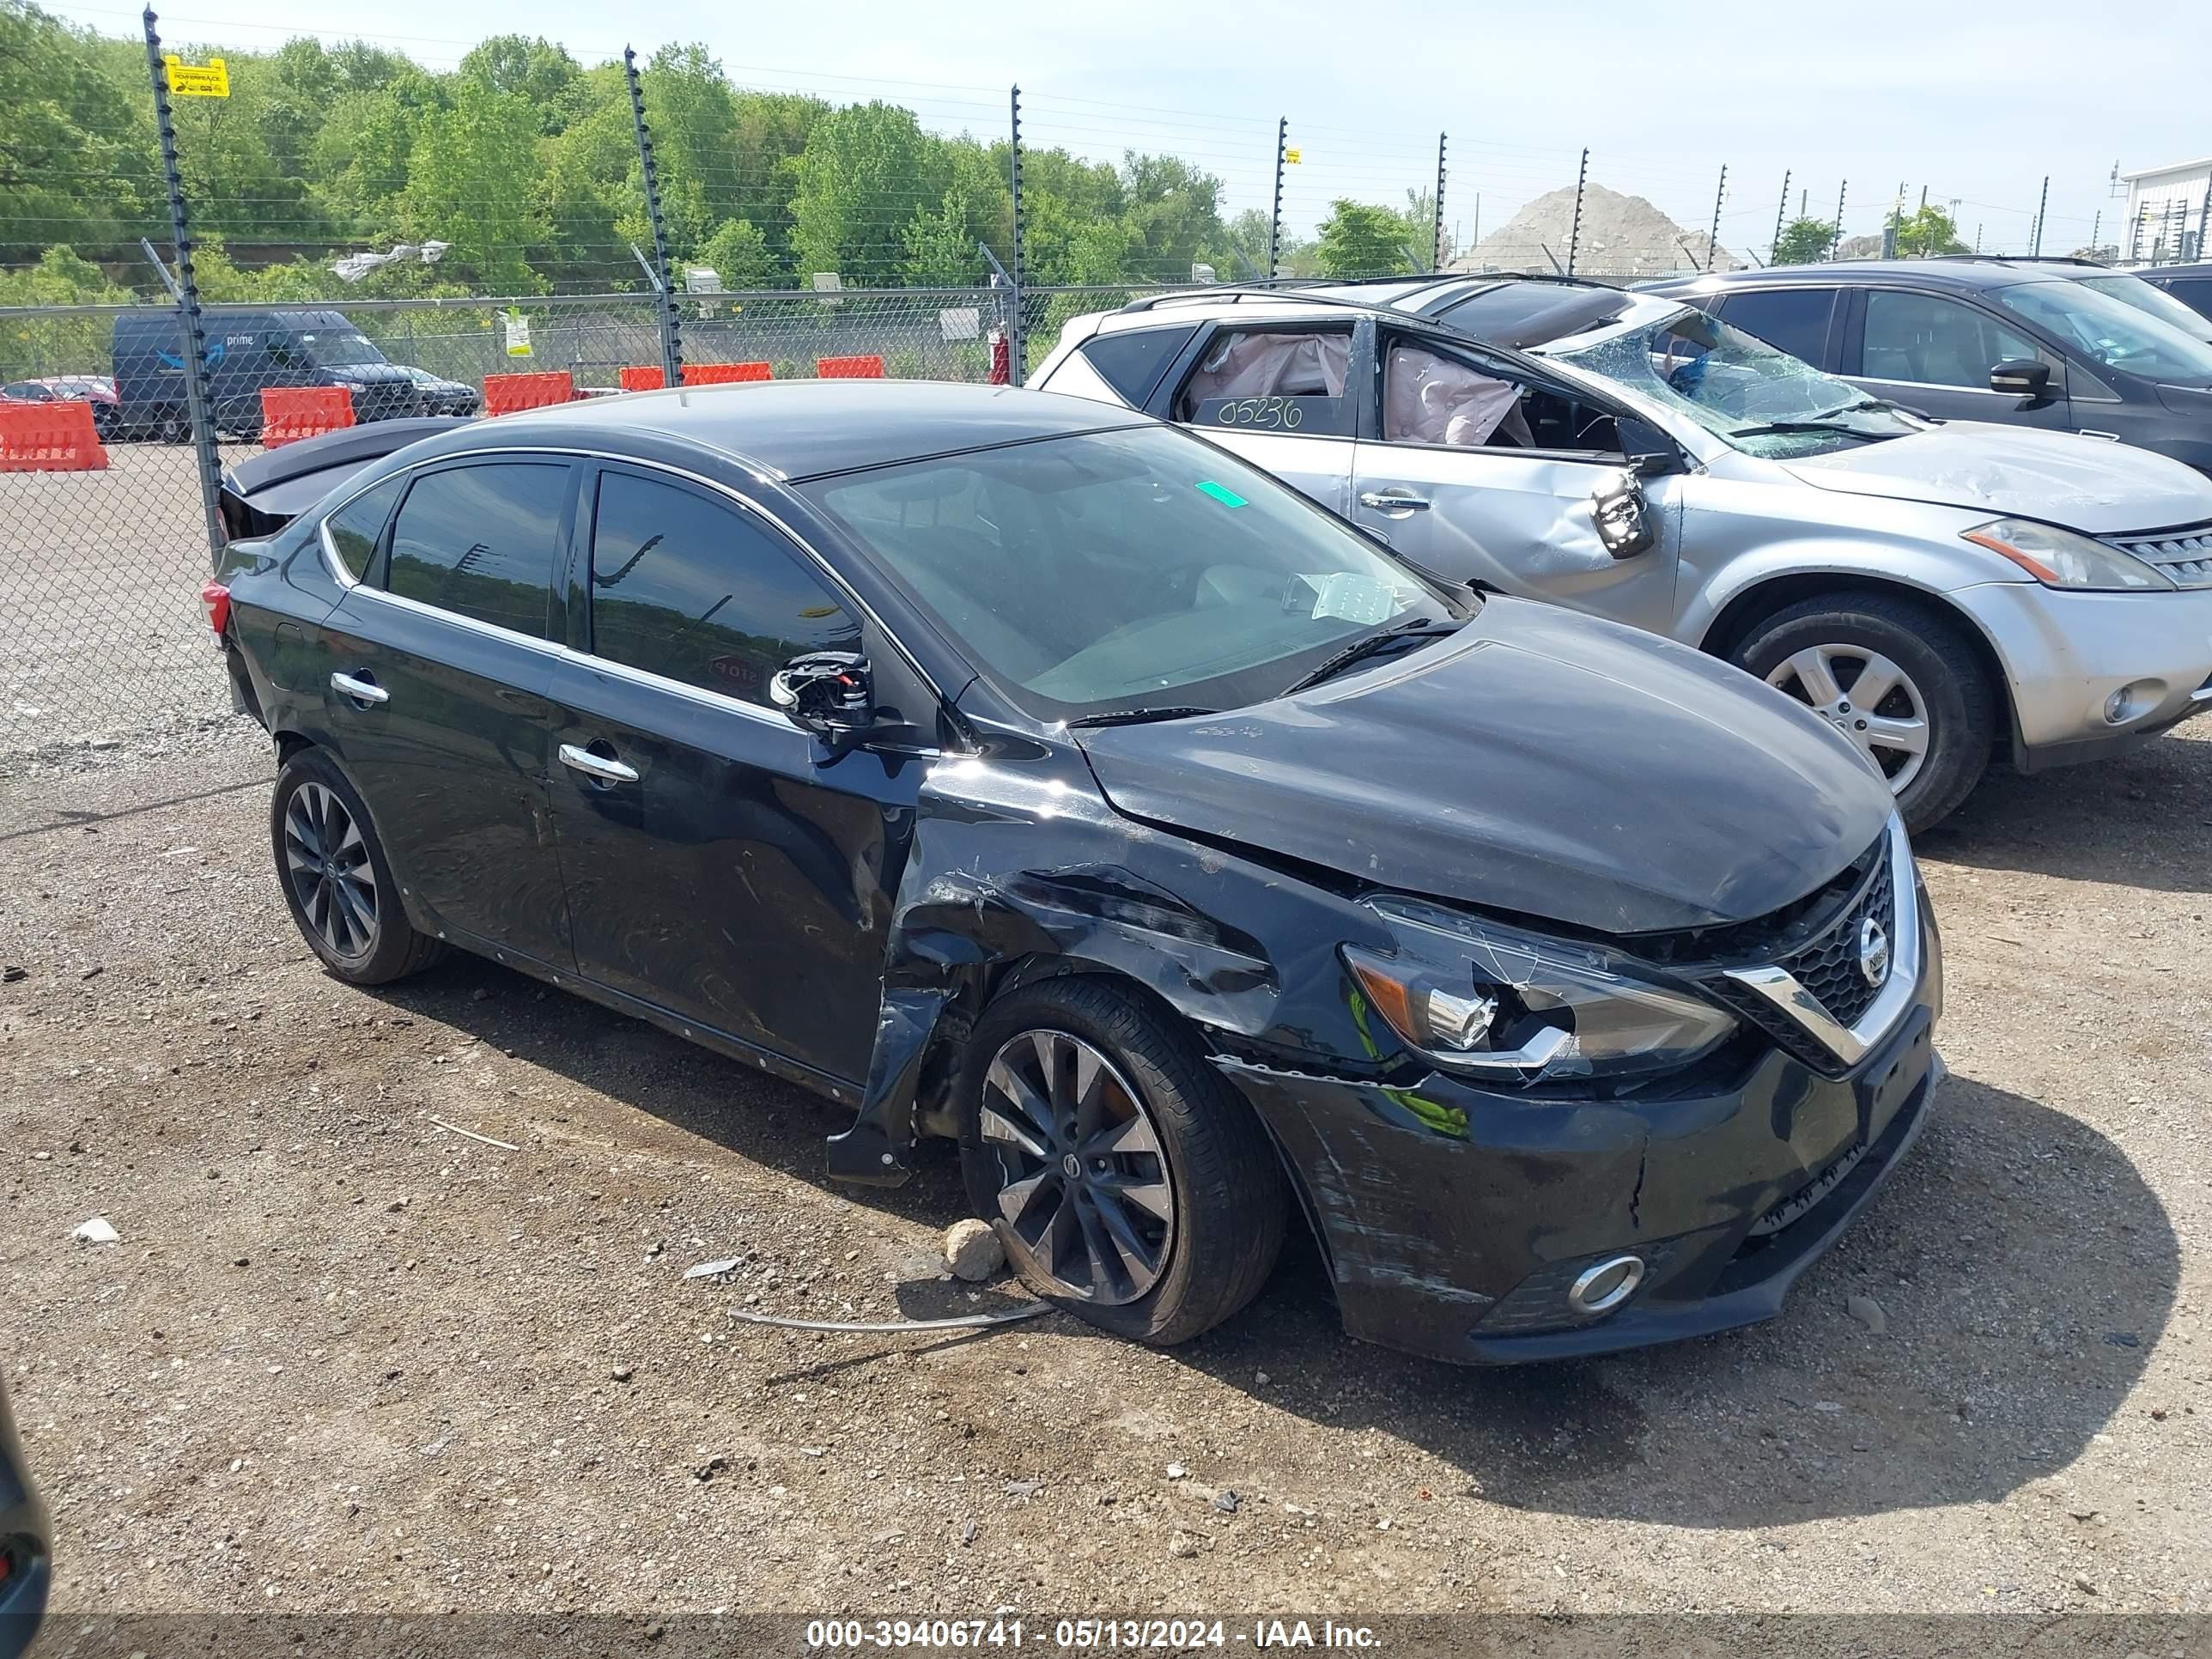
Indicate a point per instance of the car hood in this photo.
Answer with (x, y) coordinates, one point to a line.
(1537, 762)
(2084, 484)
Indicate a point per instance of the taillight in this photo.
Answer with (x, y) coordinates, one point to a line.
(215, 600)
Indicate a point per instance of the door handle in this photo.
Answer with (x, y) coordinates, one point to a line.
(360, 688)
(1391, 500)
(600, 767)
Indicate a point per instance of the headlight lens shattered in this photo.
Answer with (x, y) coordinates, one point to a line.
(1476, 997)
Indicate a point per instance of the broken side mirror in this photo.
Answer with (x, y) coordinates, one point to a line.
(2022, 377)
(830, 695)
(1624, 516)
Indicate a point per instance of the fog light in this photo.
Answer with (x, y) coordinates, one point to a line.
(2131, 701)
(1604, 1287)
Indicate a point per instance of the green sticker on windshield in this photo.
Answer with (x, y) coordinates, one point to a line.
(1221, 493)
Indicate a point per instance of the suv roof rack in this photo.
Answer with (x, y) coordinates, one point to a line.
(1305, 288)
(2021, 260)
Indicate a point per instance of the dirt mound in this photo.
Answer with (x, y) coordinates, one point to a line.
(1621, 236)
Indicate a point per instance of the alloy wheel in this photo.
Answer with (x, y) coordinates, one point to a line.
(1866, 697)
(327, 863)
(1083, 1187)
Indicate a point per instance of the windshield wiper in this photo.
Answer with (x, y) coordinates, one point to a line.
(1822, 421)
(1138, 716)
(1373, 645)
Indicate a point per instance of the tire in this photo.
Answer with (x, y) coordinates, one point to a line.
(1941, 685)
(348, 911)
(1225, 1199)
(173, 429)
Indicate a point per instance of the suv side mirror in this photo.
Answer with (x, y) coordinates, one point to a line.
(2021, 377)
(1624, 517)
(829, 694)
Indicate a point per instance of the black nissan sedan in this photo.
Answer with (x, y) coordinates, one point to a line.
(1015, 770)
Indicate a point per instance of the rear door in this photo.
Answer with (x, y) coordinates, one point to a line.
(1933, 352)
(1285, 396)
(436, 700)
(1473, 475)
(722, 864)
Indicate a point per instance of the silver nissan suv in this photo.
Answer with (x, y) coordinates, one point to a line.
(1943, 590)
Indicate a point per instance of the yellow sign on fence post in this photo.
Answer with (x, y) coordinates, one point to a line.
(1291, 156)
(211, 80)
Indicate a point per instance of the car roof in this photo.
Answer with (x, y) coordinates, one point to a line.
(1511, 310)
(1958, 272)
(796, 429)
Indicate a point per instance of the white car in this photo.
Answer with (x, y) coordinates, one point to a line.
(1941, 592)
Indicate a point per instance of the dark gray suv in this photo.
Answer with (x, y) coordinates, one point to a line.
(2018, 340)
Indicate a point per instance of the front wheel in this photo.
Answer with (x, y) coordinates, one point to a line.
(336, 881)
(1128, 1183)
(1894, 676)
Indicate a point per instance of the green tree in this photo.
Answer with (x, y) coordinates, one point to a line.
(1929, 231)
(470, 183)
(866, 170)
(1360, 240)
(739, 253)
(1805, 241)
(532, 69)
(77, 163)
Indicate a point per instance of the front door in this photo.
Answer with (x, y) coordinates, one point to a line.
(1283, 398)
(1934, 353)
(1479, 478)
(722, 864)
(436, 695)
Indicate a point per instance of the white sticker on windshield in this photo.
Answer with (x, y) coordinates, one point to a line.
(1352, 596)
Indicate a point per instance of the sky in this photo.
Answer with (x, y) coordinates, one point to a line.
(1974, 104)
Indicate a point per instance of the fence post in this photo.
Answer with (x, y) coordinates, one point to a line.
(1437, 254)
(198, 396)
(1836, 242)
(1275, 212)
(2203, 211)
(2041, 206)
(671, 325)
(1018, 337)
(1575, 232)
(1781, 207)
(1713, 240)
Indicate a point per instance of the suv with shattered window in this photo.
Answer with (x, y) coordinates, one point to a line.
(1940, 591)
(1028, 773)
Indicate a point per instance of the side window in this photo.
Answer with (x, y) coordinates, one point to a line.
(1132, 361)
(692, 590)
(1929, 341)
(481, 542)
(2194, 292)
(1432, 399)
(1791, 319)
(353, 529)
(27, 391)
(1271, 380)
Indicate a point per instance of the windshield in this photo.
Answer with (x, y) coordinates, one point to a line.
(2152, 300)
(2111, 332)
(329, 350)
(1739, 389)
(1120, 571)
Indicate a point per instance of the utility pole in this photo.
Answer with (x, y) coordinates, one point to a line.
(1275, 215)
(2040, 208)
(1575, 233)
(1713, 241)
(1437, 259)
(1781, 212)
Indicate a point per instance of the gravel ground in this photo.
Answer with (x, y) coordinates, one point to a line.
(344, 1358)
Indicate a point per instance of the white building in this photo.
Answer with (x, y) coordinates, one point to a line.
(2165, 213)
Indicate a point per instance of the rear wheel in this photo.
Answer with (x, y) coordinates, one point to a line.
(1126, 1179)
(1898, 679)
(336, 878)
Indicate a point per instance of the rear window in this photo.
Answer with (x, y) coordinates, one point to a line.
(354, 530)
(480, 541)
(1133, 362)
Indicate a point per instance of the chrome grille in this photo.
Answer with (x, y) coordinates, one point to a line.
(1829, 967)
(2184, 554)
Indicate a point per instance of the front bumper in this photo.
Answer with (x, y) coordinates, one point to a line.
(1454, 1217)
(2065, 654)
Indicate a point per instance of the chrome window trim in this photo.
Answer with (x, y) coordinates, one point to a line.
(837, 582)
(1852, 1044)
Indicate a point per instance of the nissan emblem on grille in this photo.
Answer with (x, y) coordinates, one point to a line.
(1873, 952)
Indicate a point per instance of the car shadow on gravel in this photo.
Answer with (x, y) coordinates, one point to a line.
(2143, 819)
(2023, 1269)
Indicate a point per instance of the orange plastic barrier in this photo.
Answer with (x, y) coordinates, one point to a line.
(849, 368)
(58, 437)
(289, 413)
(649, 378)
(504, 394)
(725, 373)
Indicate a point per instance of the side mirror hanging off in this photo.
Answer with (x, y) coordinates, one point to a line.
(1624, 518)
(829, 694)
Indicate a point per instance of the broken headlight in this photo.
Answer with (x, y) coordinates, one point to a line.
(1476, 997)
(2063, 558)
